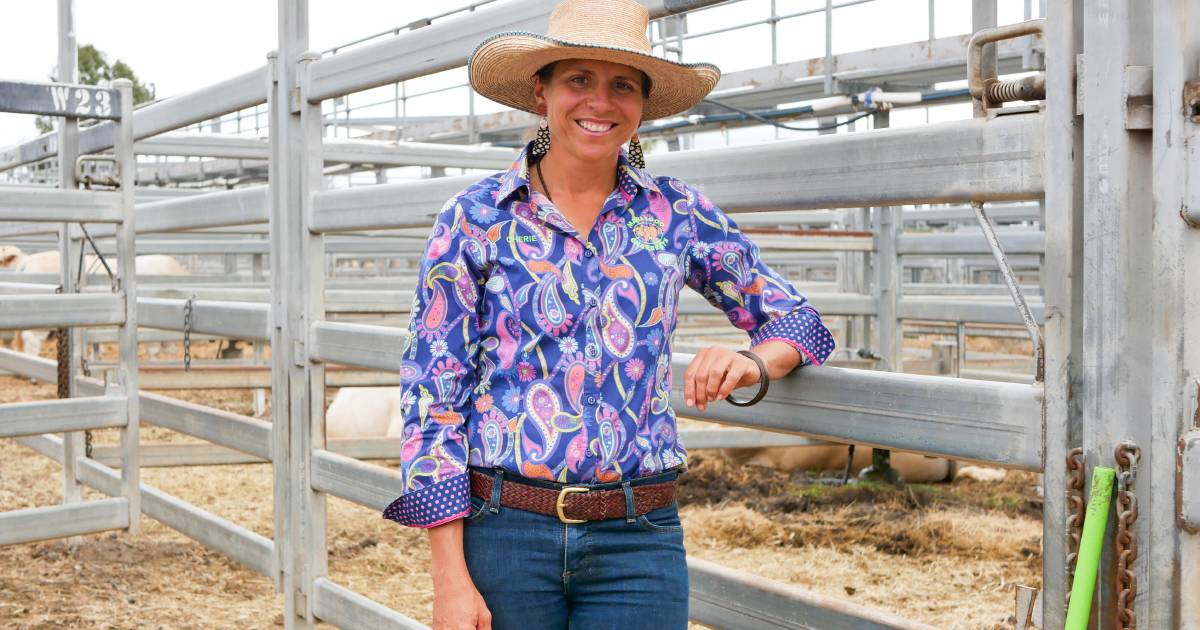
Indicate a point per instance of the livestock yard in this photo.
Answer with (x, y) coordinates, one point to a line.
(998, 220)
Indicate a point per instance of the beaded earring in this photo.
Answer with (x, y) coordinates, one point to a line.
(636, 158)
(541, 143)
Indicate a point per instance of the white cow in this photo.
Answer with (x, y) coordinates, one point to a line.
(10, 256)
(363, 412)
(30, 341)
(912, 467)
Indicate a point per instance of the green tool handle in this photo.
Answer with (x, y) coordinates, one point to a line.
(1088, 563)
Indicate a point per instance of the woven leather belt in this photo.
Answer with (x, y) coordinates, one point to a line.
(574, 504)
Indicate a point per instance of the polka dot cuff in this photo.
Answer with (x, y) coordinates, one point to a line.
(803, 330)
(432, 505)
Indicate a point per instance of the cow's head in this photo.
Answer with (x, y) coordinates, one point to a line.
(10, 256)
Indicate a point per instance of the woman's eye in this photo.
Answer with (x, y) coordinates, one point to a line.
(625, 87)
(579, 80)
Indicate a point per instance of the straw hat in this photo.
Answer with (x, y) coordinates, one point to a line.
(503, 65)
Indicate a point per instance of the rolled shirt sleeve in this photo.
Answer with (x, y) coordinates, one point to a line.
(437, 375)
(726, 267)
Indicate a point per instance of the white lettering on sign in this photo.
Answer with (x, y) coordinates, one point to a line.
(103, 107)
(84, 96)
(60, 94)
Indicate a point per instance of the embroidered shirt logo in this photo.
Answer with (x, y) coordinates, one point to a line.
(647, 232)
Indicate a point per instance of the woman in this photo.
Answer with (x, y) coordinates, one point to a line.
(539, 443)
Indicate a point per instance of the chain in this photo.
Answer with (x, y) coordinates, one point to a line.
(62, 374)
(1076, 507)
(1125, 542)
(187, 334)
(63, 355)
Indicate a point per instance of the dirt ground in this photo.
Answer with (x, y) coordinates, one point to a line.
(948, 555)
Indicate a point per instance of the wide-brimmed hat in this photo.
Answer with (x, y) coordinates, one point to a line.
(503, 65)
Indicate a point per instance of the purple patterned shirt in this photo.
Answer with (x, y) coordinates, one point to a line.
(549, 356)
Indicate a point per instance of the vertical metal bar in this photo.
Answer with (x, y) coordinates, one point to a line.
(127, 369)
(473, 132)
(396, 110)
(889, 223)
(1168, 597)
(68, 151)
(983, 15)
(295, 144)
(932, 23)
(1117, 360)
(961, 342)
(774, 21)
(308, 429)
(280, 456)
(828, 46)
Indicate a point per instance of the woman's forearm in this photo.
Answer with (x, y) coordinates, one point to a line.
(780, 358)
(449, 561)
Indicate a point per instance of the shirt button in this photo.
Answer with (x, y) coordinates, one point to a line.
(591, 400)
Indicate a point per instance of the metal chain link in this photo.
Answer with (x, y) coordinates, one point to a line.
(1076, 506)
(187, 334)
(1125, 542)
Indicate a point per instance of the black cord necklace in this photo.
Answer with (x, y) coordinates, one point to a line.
(538, 167)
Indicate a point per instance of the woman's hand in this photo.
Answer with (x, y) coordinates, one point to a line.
(457, 605)
(715, 372)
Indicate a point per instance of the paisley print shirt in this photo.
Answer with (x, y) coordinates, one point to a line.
(548, 355)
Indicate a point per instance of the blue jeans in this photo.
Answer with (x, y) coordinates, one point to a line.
(538, 573)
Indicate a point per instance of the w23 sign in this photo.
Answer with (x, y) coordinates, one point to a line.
(56, 99)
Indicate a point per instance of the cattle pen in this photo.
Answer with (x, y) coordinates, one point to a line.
(1083, 148)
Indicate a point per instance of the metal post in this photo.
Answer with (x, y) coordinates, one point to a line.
(127, 369)
(296, 132)
(1171, 557)
(932, 14)
(828, 47)
(889, 223)
(1119, 301)
(1062, 288)
(774, 21)
(68, 151)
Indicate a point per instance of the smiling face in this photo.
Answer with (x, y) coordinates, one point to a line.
(593, 107)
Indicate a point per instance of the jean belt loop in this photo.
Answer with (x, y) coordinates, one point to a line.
(630, 514)
(497, 481)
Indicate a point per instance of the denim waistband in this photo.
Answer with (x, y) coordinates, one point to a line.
(667, 475)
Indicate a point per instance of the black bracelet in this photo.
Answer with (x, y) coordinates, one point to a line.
(763, 382)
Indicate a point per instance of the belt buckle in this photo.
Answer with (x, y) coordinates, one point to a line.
(559, 504)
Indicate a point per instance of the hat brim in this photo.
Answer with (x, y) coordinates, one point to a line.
(502, 69)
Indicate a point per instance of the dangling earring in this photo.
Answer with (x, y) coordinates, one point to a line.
(541, 143)
(636, 158)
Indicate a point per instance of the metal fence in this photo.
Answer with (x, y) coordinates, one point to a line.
(1118, 299)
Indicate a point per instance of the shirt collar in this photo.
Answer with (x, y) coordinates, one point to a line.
(628, 177)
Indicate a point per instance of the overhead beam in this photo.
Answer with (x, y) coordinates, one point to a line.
(61, 521)
(60, 416)
(443, 45)
(239, 320)
(721, 597)
(29, 203)
(18, 312)
(998, 423)
(953, 162)
(335, 151)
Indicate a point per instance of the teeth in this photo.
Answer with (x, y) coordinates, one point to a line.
(597, 127)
